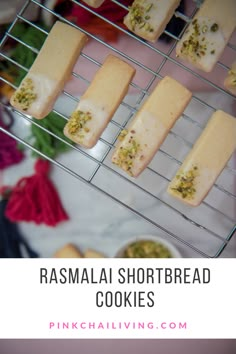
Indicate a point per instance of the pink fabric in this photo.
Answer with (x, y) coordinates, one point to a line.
(9, 152)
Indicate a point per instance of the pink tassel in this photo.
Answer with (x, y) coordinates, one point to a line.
(35, 199)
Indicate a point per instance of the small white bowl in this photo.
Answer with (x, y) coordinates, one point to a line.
(173, 250)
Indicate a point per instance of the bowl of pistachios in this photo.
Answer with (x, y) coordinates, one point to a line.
(148, 246)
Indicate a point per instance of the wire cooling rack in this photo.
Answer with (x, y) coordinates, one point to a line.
(213, 222)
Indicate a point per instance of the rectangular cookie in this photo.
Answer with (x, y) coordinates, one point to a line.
(230, 80)
(148, 18)
(206, 160)
(150, 126)
(68, 251)
(94, 3)
(51, 69)
(100, 101)
(206, 37)
(89, 253)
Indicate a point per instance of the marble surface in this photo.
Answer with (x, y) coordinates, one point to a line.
(99, 222)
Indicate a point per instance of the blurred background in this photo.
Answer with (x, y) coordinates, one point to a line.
(117, 346)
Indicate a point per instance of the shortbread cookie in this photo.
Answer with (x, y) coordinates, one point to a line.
(206, 37)
(206, 160)
(51, 69)
(150, 126)
(94, 3)
(68, 251)
(230, 81)
(99, 102)
(89, 253)
(148, 18)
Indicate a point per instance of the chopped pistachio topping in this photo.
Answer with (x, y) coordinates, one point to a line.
(233, 81)
(196, 45)
(147, 249)
(25, 95)
(127, 154)
(232, 73)
(186, 183)
(214, 27)
(204, 28)
(77, 123)
(123, 133)
(139, 15)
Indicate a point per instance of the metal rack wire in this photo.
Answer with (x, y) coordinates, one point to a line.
(149, 189)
